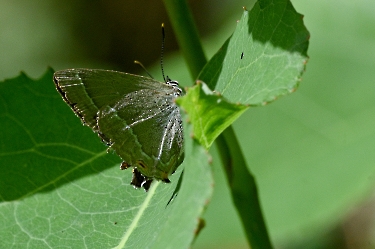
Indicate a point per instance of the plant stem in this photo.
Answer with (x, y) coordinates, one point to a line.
(187, 35)
(243, 189)
(241, 181)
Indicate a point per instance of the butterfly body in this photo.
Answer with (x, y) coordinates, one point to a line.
(135, 115)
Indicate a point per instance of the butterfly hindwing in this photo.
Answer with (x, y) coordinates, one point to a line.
(149, 122)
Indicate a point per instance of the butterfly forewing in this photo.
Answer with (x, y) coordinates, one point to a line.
(88, 90)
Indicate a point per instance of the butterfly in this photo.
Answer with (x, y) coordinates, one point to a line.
(136, 116)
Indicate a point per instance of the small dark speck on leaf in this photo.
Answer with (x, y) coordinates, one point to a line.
(241, 55)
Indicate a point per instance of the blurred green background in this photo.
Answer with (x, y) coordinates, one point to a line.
(312, 152)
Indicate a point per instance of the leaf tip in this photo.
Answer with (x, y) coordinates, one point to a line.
(200, 226)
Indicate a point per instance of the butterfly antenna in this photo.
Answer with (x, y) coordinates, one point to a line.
(162, 51)
(141, 65)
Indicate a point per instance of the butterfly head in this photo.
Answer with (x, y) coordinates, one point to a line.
(174, 84)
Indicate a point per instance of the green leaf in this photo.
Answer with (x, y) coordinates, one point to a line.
(263, 59)
(59, 186)
(209, 112)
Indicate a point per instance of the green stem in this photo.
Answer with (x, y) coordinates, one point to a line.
(187, 35)
(241, 182)
(244, 189)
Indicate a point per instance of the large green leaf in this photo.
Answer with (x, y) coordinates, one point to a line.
(264, 58)
(60, 188)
